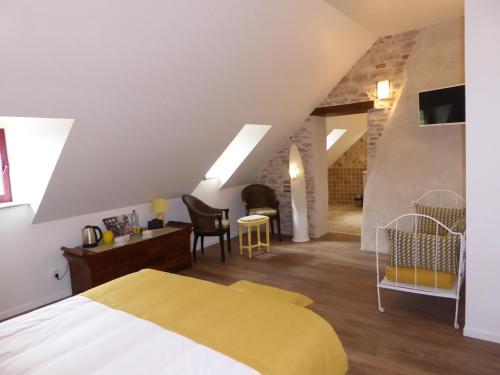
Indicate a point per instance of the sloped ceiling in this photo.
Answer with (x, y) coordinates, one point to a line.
(389, 17)
(159, 88)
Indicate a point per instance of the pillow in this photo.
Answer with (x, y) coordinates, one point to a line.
(403, 246)
(446, 216)
(272, 292)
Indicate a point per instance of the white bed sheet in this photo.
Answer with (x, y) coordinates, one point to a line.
(78, 336)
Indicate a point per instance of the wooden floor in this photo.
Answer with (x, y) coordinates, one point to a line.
(415, 335)
(345, 219)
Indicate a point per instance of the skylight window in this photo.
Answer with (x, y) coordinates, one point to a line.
(333, 137)
(237, 151)
(34, 146)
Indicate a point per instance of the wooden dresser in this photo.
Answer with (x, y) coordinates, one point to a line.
(167, 250)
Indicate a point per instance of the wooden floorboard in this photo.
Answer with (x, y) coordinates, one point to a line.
(415, 335)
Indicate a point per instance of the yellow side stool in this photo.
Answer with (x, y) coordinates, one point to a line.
(249, 222)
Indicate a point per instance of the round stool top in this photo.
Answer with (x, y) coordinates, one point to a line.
(252, 218)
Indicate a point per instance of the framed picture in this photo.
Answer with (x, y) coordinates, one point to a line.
(119, 225)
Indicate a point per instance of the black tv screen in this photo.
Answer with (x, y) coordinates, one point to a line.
(442, 106)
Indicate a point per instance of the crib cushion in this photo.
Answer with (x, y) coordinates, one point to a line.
(443, 280)
(404, 245)
(447, 217)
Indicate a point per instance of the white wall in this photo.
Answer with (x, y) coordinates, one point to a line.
(411, 160)
(33, 146)
(28, 252)
(389, 17)
(165, 86)
(356, 126)
(482, 317)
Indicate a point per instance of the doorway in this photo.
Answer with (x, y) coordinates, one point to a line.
(347, 164)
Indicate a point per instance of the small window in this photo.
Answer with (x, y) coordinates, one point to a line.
(333, 137)
(5, 192)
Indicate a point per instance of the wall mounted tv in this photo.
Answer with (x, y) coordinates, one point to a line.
(445, 106)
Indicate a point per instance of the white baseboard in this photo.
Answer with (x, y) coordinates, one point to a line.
(33, 304)
(482, 335)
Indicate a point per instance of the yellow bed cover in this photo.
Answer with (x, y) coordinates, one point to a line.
(273, 337)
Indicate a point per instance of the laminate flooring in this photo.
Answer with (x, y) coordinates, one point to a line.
(415, 335)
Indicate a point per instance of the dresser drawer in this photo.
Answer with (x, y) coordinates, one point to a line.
(167, 252)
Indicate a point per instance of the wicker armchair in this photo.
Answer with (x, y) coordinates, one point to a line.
(208, 221)
(261, 200)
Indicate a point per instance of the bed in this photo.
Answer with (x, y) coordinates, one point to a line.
(152, 322)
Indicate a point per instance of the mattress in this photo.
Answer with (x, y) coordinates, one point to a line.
(152, 322)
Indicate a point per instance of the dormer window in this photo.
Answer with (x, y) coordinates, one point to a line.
(5, 191)
(237, 151)
(334, 136)
(34, 146)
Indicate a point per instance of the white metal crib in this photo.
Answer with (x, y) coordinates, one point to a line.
(441, 198)
(408, 224)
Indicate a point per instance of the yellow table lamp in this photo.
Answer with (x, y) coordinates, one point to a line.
(159, 206)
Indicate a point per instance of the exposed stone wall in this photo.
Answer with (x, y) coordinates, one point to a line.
(384, 60)
(355, 156)
(345, 177)
(377, 119)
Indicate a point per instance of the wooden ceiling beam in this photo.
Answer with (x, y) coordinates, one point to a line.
(344, 109)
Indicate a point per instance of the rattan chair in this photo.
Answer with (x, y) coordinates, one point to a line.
(208, 221)
(261, 200)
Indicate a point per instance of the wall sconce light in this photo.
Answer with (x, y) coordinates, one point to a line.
(294, 172)
(383, 89)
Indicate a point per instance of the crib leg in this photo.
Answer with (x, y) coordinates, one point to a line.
(380, 308)
(456, 325)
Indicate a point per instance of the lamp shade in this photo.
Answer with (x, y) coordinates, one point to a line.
(159, 205)
(383, 89)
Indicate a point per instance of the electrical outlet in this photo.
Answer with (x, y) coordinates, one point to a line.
(54, 273)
